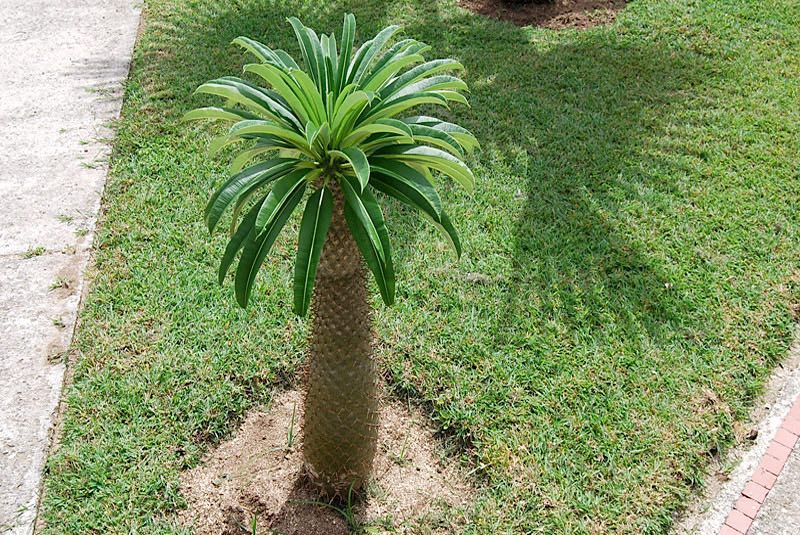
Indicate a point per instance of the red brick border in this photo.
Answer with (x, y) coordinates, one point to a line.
(752, 497)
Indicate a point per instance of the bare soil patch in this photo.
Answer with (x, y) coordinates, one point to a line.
(256, 476)
(559, 14)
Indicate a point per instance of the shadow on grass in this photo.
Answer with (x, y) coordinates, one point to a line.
(575, 122)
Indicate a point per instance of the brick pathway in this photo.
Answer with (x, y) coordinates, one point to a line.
(767, 475)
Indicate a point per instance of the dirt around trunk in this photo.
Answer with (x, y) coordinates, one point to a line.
(556, 15)
(256, 476)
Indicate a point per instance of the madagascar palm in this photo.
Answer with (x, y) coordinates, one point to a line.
(339, 129)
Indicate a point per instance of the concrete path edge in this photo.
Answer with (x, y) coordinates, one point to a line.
(63, 67)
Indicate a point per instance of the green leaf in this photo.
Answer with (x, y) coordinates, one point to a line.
(358, 160)
(285, 85)
(381, 126)
(390, 176)
(372, 239)
(441, 221)
(261, 173)
(319, 57)
(313, 229)
(271, 129)
(311, 133)
(435, 159)
(356, 204)
(434, 83)
(287, 59)
(306, 47)
(400, 104)
(259, 242)
(237, 240)
(348, 38)
(460, 134)
(453, 96)
(281, 190)
(310, 94)
(245, 156)
(438, 138)
(449, 231)
(351, 107)
(372, 50)
(265, 54)
(418, 73)
(331, 63)
(255, 98)
(216, 113)
(398, 57)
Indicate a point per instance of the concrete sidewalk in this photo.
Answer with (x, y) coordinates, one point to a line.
(62, 66)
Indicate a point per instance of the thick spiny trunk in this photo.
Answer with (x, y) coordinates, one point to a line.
(340, 427)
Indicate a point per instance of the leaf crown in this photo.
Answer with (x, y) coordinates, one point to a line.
(338, 121)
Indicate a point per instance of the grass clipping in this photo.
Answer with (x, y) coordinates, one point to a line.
(254, 483)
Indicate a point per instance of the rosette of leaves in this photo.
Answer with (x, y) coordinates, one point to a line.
(335, 134)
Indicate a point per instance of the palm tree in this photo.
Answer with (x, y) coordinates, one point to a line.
(332, 129)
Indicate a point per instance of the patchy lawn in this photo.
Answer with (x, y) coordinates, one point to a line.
(628, 283)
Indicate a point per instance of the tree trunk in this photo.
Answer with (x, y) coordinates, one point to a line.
(340, 428)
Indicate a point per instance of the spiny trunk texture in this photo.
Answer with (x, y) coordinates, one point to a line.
(340, 429)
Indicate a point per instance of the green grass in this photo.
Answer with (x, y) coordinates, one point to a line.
(629, 271)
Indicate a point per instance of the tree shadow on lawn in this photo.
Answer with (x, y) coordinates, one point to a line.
(577, 328)
(573, 353)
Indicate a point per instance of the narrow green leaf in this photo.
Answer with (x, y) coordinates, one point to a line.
(410, 182)
(348, 38)
(419, 72)
(271, 129)
(261, 173)
(435, 159)
(313, 229)
(350, 107)
(310, 94)
(245, 156)
(438, 138)
(460, 134)
(319, 56)
(372, 239)
(306, 47)
(264, 53)
(440, 221)
(237, 240)
(216, 113)
(381, 126)
(399, 105)
(449, 231)
(358, 160)
(372, 50)
(434, 83)
(250, 96)
(356, 204)
(311, 133)
(259, 242)
(281, 190)
(285, 85)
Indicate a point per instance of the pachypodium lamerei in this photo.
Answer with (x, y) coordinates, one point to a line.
(336, 133)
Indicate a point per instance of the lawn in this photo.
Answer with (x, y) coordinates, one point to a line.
(628, 283)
